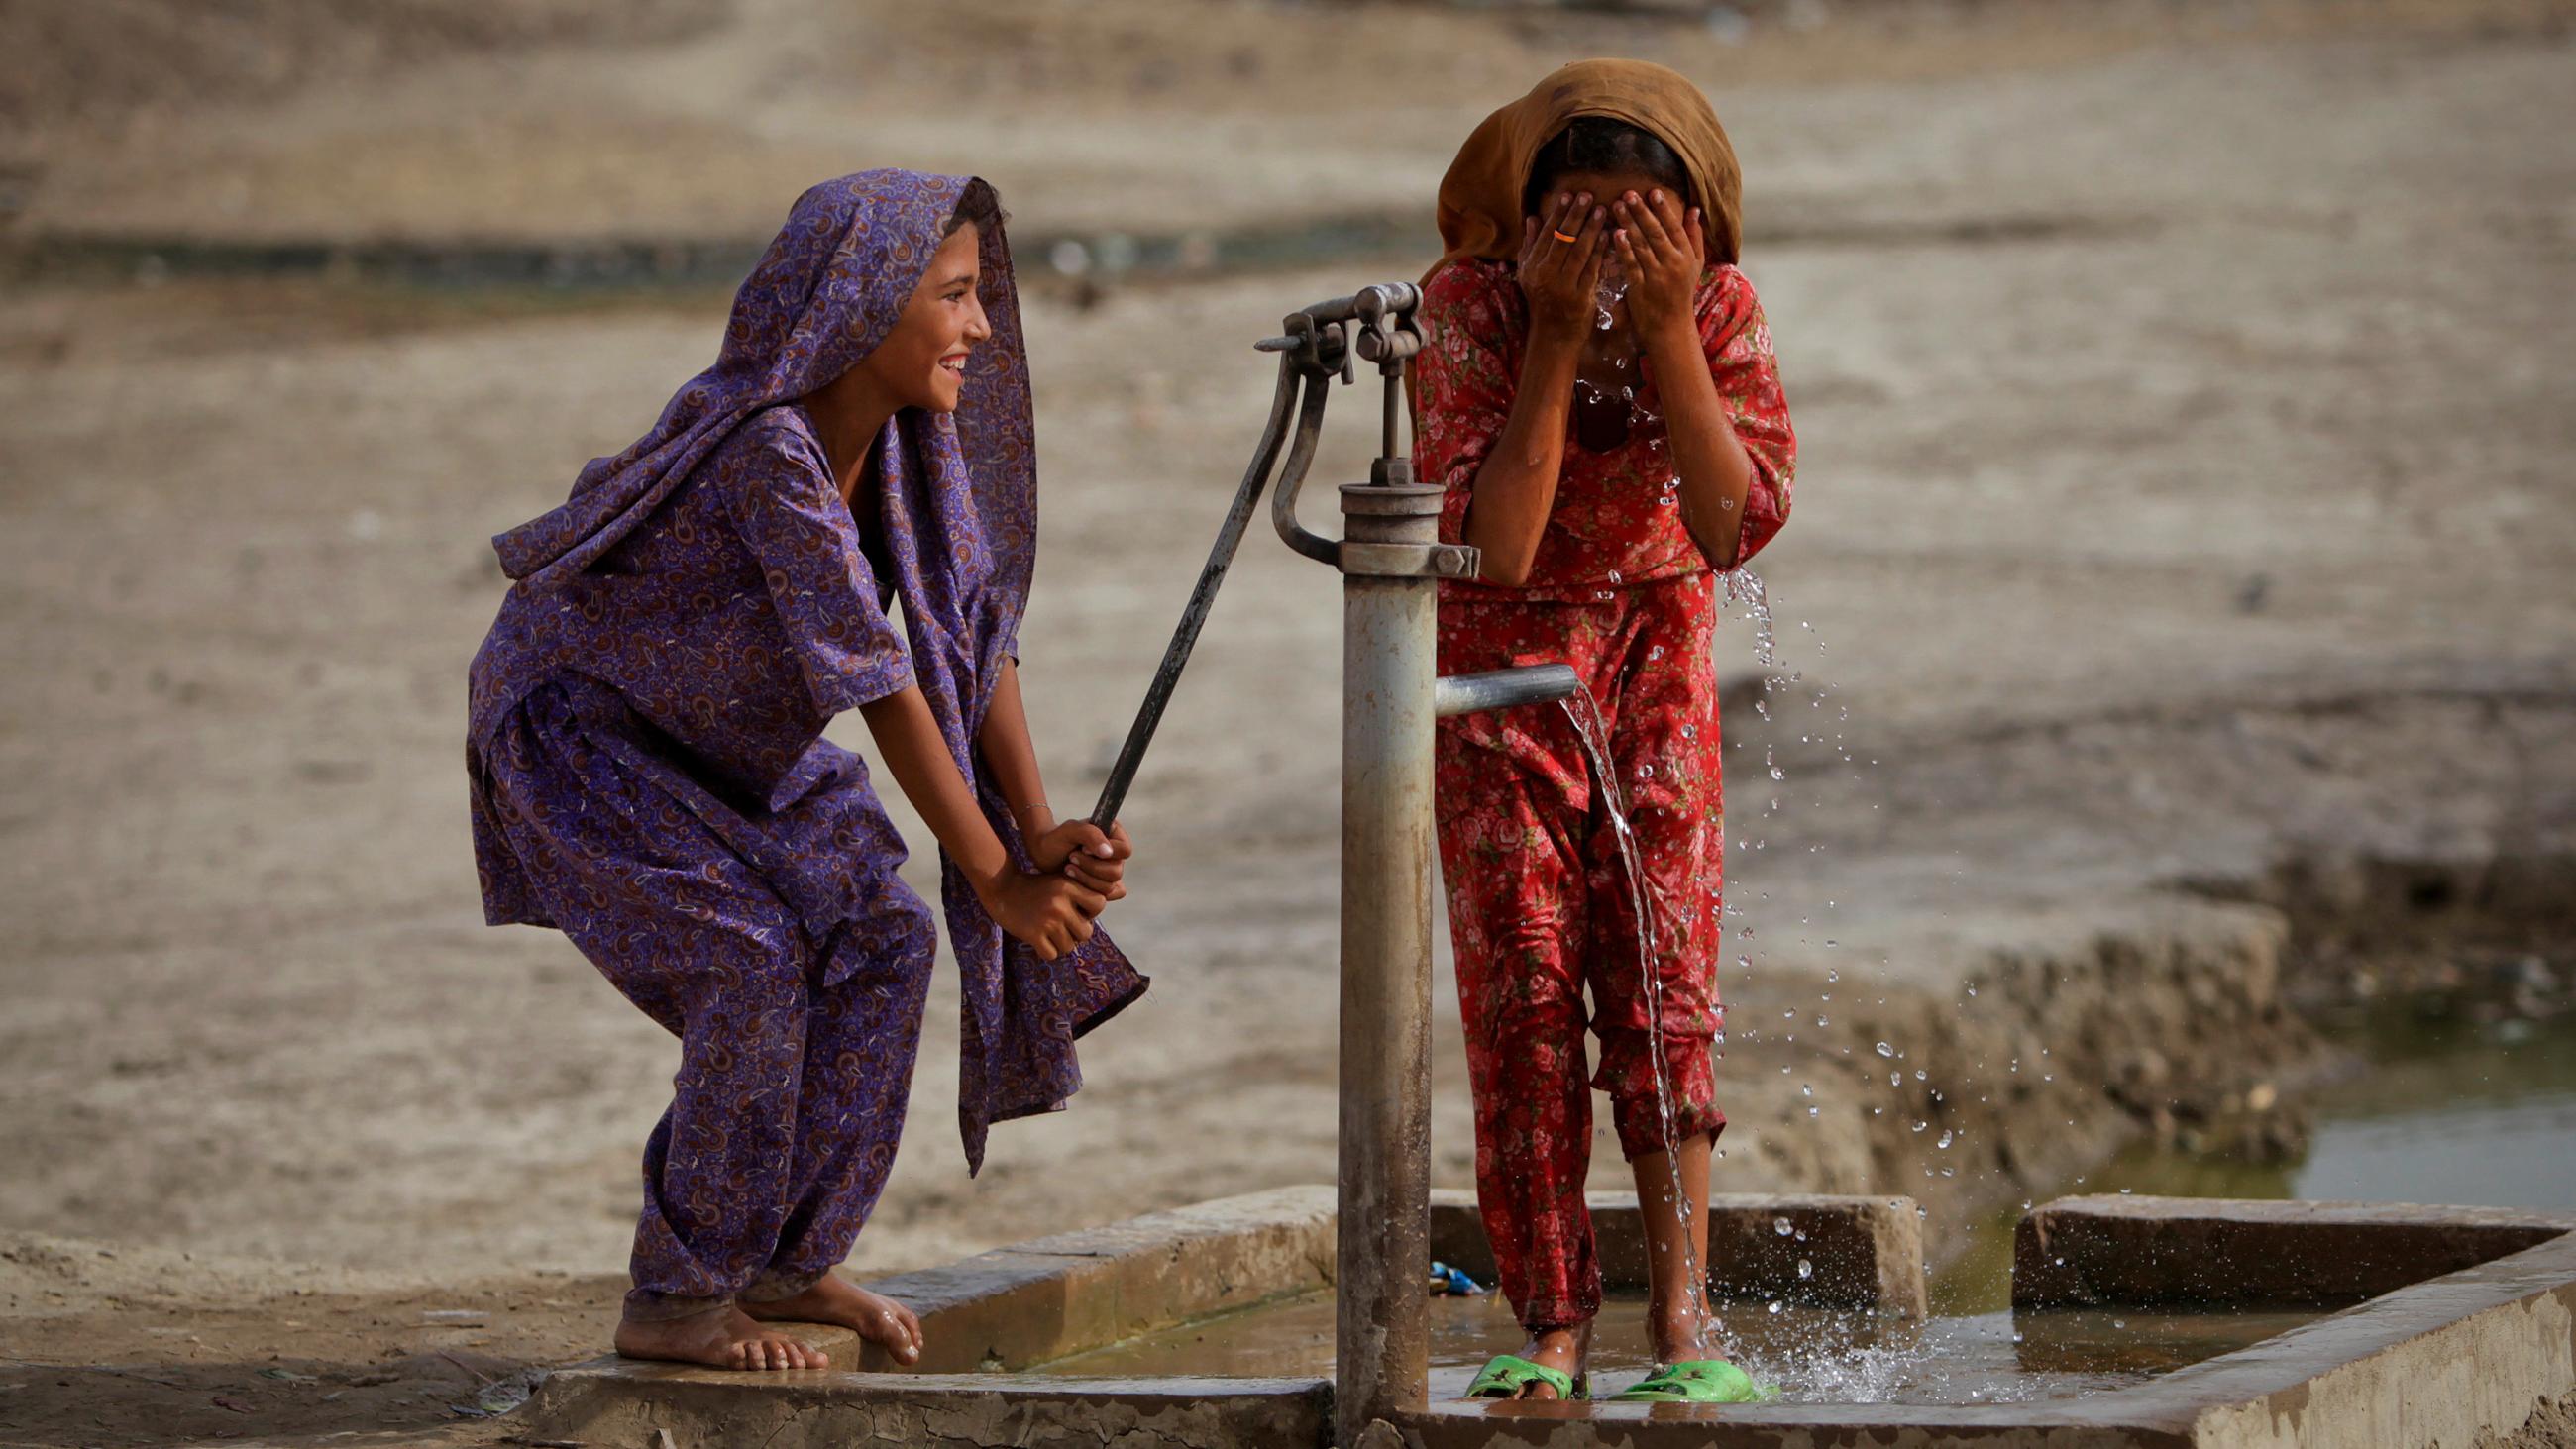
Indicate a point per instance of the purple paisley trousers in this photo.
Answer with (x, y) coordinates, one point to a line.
(796, 1051)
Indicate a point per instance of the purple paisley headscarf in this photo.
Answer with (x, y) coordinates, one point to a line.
(960, 520)
(824, 295)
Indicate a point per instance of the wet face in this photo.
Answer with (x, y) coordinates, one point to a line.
(922, 361)
(1605, 187)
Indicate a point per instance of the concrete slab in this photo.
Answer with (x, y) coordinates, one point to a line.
(1059, 1295)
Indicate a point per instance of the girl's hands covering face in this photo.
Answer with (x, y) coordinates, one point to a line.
(1559, 277)
(1663, 250)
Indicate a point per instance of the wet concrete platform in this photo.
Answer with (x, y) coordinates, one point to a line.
(2473, 1321)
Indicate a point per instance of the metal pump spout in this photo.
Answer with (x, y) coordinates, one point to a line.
(1391, 560)
(1503, 688)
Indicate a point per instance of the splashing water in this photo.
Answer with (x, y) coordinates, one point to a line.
(1607, 293)
(1744, 586)
(1862, 1367)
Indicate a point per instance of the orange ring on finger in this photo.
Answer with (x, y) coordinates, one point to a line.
(1561, 236)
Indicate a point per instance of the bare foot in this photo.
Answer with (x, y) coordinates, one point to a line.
(1682, 1336)
(725, 1339)
(834, 1299)
(1567, 1350)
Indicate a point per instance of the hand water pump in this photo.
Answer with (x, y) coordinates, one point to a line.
(1391, 561)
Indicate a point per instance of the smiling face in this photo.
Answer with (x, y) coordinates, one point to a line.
(922, 361)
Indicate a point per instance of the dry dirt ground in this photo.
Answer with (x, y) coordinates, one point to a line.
(2186, 413)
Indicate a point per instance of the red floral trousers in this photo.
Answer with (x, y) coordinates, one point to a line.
(1539, 911)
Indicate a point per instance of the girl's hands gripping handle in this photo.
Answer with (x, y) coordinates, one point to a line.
(1051, 909)
(1051, 912)
(1088, 855)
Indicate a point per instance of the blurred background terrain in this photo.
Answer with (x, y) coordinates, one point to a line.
(2177, 658)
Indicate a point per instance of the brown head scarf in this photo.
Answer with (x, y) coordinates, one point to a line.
(1480, 198)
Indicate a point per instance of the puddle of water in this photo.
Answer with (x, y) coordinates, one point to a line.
(2453, 1110)
(1814, 1355)
(2450, 1109)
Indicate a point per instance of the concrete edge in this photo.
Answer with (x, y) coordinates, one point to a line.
(1774, 1426)
(1865, 1253)
(617, 1401)
(2438, 1362)
(1052, 1297)
(2140, 1251)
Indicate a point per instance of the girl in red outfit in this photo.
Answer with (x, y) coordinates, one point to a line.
(1598, 396)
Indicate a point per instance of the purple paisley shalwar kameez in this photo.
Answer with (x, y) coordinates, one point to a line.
(649, 774)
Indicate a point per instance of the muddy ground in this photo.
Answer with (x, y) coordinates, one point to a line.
(2184, 520)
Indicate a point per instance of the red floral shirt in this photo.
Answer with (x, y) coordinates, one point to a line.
(1617, 518)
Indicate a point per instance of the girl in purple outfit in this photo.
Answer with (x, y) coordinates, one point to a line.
(649, 773)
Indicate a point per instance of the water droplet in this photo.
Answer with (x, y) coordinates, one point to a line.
(1813, 1111)
(1773, 1307)
(1885, 1050)
(1806, 1269)
(1614, 576)
(1919, 1126)
(1947, 1137)
(1782, 1226)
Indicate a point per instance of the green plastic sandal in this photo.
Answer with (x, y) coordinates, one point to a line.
(1698, 1381)
(1509, 1373)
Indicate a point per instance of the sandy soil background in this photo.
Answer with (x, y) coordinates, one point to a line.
(2185, 400)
